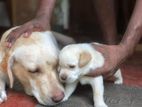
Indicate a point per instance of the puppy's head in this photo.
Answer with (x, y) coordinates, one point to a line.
(72, 61)
(37, 73)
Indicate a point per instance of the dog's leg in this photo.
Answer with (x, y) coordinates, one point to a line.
(118, 76)
(3, 96)
(3, 80)
(69, 89)
(98, 91)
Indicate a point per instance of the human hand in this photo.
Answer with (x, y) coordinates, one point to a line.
(114, 55)
(37, 24)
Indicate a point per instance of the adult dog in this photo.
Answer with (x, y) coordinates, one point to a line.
(33, 61)
(75, 61)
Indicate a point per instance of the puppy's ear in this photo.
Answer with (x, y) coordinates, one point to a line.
(6, 65)
(84, 59)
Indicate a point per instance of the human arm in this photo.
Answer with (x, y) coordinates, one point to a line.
(115, 54)
(41, 22)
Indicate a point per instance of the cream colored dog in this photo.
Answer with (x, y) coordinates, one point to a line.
(33, 61)
(75, 61)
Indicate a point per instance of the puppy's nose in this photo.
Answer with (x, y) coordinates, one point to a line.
(58, 97)
(63, 77)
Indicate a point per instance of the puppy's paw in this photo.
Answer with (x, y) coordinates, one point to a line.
(118, 76)
(118, 82)
(65, 99)
(3, 96)
(101, 105)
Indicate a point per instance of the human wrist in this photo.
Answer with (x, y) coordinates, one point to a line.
(125, 49)
(41, 22)
(131, 37)
(42, 13)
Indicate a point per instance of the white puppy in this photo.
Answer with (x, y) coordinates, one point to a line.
(33, 61)
(75, 61)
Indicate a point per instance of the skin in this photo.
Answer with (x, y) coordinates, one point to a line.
(114, 54)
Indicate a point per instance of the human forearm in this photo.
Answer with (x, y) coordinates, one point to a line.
(45, 9)
(115, 55)
(134, 30)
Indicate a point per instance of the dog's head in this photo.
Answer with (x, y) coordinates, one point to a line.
(37, 73)
(72, 60)
(35, 66)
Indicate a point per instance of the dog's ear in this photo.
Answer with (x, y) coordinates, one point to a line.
(84, 59)
(6, 65)
(9, 71)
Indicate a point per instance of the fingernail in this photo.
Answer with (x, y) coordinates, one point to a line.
(25, 34)
(8, 45)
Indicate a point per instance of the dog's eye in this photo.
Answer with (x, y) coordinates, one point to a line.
(58, 69)
(48, 63)
(37, 70)
(71, 66)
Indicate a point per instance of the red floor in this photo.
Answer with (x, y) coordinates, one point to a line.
(132, 75)
(131, 70)
(17, 99)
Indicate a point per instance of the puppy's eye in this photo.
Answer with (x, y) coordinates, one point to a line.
(37, 70)
(71, 66)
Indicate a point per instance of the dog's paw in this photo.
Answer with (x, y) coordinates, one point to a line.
(101, 105)
(3, 96)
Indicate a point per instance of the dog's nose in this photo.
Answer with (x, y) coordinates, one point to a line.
(63, 77)
(58, 97)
